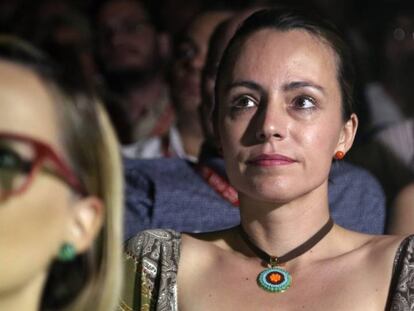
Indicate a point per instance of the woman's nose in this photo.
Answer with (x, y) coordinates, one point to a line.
(272, 123)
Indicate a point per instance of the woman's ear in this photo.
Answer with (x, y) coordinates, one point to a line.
(88, 217)
(347, 135)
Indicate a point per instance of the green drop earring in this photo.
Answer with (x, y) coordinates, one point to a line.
(67, 252)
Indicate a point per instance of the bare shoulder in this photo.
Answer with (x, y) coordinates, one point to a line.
(379, 250)
(202, 244)
(386, 244)
(202, 256)
(368, 242)
(200, 251)
(373, 252)
(367, 262)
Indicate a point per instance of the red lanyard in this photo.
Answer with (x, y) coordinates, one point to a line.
(166, 147)
(219, 184)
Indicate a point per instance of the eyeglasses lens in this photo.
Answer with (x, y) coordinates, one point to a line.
(16, 162)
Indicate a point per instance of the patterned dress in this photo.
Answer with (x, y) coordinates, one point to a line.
(151, 265)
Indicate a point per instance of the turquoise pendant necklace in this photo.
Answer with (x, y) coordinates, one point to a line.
(274, 278)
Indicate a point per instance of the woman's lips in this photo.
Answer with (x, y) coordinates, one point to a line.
(271, 160)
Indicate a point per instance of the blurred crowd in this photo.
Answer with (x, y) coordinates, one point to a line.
(146, 59)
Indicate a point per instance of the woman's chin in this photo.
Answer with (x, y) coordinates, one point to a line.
(270, 194)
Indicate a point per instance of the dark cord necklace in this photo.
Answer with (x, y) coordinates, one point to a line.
(275, 279)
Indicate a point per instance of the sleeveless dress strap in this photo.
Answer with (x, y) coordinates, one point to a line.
(150, 271)
(401, 293)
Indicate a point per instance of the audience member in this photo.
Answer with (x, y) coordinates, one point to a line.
(60, 190)
(59, 27)
(132, 54)
(190, 49)
(390, 97)
(400, 220)
(388, 152)
(177, 194)
(397, 84)
(175, 15)
(283, 111)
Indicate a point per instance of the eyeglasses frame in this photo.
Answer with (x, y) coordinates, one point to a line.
(44, 152)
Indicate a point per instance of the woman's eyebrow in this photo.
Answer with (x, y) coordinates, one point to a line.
(302, 84)
(294, 85)
(245, 83)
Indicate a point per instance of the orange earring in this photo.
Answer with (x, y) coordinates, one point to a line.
(339, 155)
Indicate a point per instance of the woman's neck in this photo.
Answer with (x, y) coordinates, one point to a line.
(25, 297)
(279, 228)
(191, 136)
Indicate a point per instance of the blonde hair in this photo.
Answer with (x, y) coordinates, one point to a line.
(102, 292)
(92, 281)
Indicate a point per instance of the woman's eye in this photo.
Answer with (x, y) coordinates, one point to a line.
(13, 169)
(10, 160)
(304, 102)
(244, 102)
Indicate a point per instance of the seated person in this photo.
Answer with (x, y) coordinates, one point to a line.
(400, 220)
(177, 194)
(390, 99)
(132, 54)
(283, 112)
(60, 190)
(184, 138)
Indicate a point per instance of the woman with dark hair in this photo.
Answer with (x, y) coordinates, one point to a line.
(60, 189)
(283, 116)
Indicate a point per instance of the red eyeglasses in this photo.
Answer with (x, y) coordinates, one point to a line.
(21, 157)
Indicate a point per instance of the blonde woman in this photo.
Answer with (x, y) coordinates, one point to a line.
(60, 189)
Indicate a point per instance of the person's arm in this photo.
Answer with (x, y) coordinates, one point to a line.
(401, 215)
